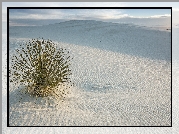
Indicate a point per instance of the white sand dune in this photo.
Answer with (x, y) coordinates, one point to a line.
(122, 76)
(121, 38)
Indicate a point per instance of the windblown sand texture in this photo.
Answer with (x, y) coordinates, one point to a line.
(121, 72)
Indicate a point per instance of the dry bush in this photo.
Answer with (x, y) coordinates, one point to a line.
(41, 67)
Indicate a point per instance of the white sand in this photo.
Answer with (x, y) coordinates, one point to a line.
(129, 86)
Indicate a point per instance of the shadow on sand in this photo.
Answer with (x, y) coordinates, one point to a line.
(122, 38)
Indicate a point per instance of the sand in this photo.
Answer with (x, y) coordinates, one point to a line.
(122, 77)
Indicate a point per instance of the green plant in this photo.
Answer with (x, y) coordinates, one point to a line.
(41, 67)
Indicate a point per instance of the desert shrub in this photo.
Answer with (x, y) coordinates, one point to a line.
(42, 67)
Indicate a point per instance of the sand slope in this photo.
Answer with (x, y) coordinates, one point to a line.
(122, 76)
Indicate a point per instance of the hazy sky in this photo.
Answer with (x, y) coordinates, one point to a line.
(85, 13)
(47, 16)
